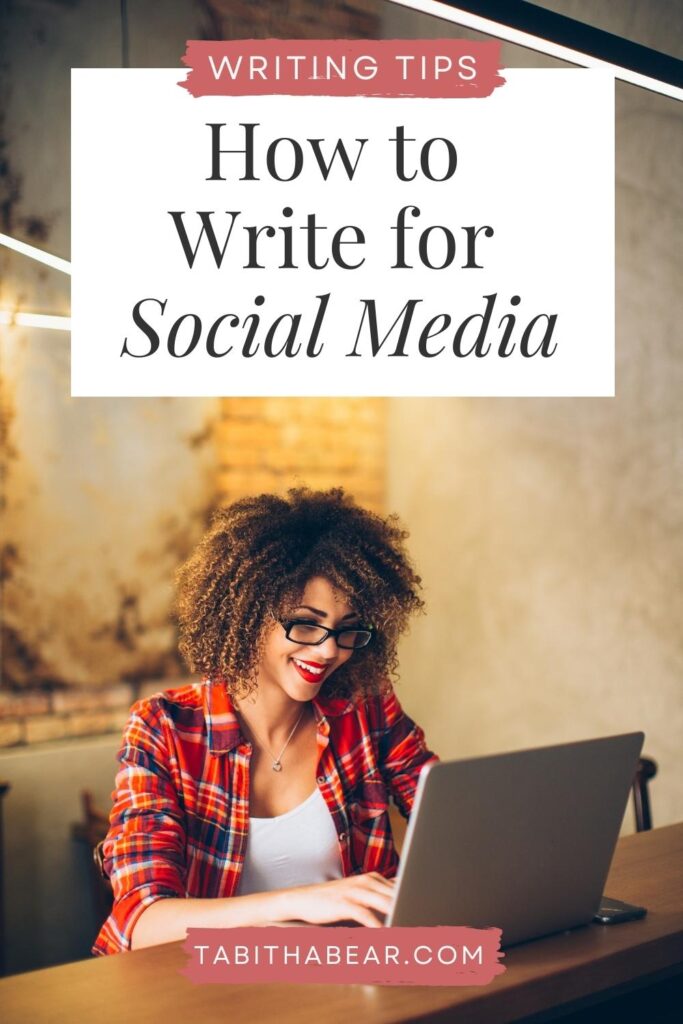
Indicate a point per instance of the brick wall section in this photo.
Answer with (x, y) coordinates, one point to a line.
(33, 717)
(270, 444)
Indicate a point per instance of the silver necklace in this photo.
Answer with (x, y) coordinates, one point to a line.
(277, 761)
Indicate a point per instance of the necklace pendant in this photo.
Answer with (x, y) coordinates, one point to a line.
(277, 766)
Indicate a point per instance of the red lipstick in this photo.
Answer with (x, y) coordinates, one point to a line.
(310, 675)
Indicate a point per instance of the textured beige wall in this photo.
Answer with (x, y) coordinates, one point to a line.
(100, 499)
(552, 577)
(550, 532)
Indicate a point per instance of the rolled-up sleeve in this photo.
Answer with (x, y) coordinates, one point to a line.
(144, 851)
(401, 747)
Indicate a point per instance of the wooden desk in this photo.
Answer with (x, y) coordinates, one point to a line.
(574, 969)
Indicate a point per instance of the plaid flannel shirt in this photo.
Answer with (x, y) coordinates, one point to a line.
(180, 818)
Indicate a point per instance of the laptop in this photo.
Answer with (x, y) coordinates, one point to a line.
(519, 841)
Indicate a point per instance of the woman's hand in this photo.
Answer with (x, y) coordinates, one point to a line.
(365, 899)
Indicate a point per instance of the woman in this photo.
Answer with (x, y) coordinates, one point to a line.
(290, 610)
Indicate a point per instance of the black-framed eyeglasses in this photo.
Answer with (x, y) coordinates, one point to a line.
(301, 631)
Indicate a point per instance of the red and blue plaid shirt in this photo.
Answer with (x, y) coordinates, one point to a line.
(180, 819)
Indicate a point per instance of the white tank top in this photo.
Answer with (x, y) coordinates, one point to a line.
(299, 847)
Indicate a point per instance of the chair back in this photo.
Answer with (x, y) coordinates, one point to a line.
(91, 832)
(647, 769)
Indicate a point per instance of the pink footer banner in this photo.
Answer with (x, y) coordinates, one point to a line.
(362, 956)
(445, 68)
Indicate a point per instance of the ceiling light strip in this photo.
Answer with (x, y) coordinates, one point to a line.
(10, 318)
(36, 254)
(627, 61)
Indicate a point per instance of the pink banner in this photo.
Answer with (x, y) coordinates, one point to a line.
(444, 68)
(355, 956)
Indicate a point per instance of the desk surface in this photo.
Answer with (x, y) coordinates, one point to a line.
(146, 985)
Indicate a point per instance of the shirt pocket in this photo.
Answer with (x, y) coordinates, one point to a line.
(368, 801)
(371, 844)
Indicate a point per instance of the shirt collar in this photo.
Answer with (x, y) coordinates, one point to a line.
(223, 727)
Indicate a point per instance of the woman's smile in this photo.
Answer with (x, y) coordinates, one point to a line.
(311, 671)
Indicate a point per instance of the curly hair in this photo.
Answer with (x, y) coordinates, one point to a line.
(256, 560)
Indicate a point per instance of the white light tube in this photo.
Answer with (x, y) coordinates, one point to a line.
(36, 254)
(54, 323)
(531, 42)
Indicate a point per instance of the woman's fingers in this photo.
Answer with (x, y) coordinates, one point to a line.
(378, 878)
(380, 901)
(374, 893)
(364, 916)
(379, 883)
(365, 899)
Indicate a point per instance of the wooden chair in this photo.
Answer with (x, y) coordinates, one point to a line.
(91, 832)
(647, 769)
